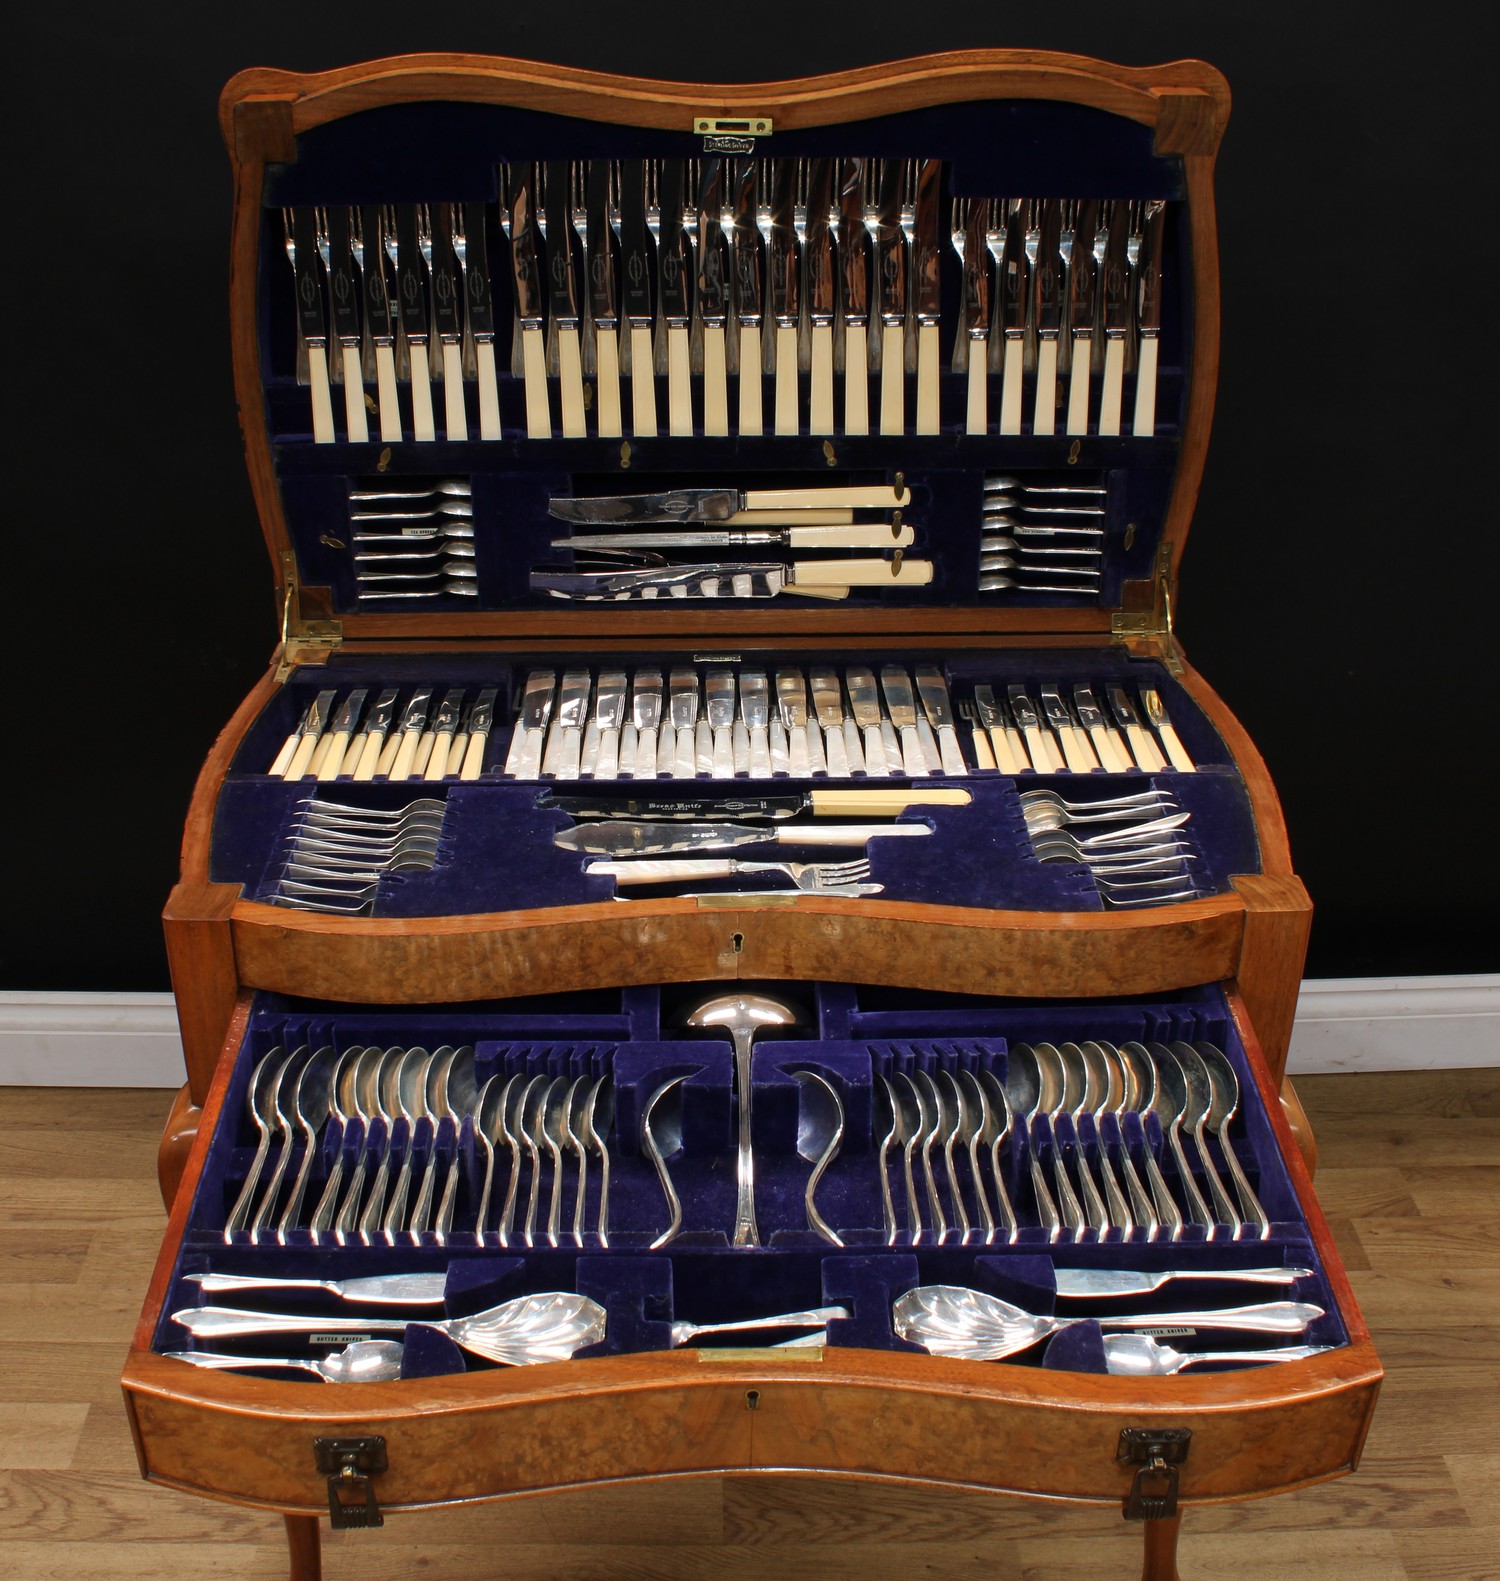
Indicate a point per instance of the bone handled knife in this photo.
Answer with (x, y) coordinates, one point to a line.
(1047, 285)
(444, 727)
(1115, 289)
(854, 272)
(562, 296)
(404, 248)
(564, 747)
(782, 268)
(344, 293)
(370, 255)
(828, 710)
(976, 278)
(682, 705)
(635, 295)
(926, 281)
(713, 296)
(900, 704)
(406, 740)
(674, 270)
(609, 716)
(1083, 280)
(749, 307)
(1113, 757)
(479, 316)
(312, 332)
(718, 505)
(523, 759)
(1014, 287)
(372, 739)
(932, 688)
(890, 287)
(481, 722)
(1142, 747)
(604, 306)
(435, 232)
(864, 704)
(1045, 757)
(617, 839)
(1148, 316)
(530, 314)
(296, 752)
(1077, 750)
(645, 715)
(1005, 739)
(1156, 712)
(822, 293)
(719, 691)
(328, 758)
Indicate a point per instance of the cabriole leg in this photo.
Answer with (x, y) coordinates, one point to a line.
(304, 1546)
(1160, 1559)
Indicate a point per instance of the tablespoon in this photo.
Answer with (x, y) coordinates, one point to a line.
(910, 1106)
(1053, 1091)
(951, 1320)
(460, 1095)
(341, 1106)
(957, 1122)
(516, 1138)
(529, 1129)
(1140, 1086)
(1194, 1114)
(1023, 1092)
(820, 1134)
(894, 1134)
(1169, 1106)
(411, 1104)
(388, 1110)
(365, 1361)
(550, 1121)
(1078, 1096)
(1226, 1100)
(261, 1103)
(995, 1125)
(433, 1101)
(367, 1086)
(488, 1107)
(1123, 1093)
(284, 1119)
(1099, 1098)
(574, 1126)
(310, 1107)
(661, 1135)
(1140, 1356)
(1119, 807)
(931, 1122)
(451, 486)
(599, 1122)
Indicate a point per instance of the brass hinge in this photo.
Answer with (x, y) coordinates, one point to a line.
(302, 641)
(1153, 625)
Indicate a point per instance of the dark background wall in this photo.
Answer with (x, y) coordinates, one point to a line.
(1337, 590)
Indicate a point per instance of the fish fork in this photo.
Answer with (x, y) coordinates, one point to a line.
(813, 876)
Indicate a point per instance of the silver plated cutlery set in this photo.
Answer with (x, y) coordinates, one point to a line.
(1042, 538)
(337, 855)
(1146, 861)
(1073, 727)
(715, 296)
(413, 542)
(390, 734)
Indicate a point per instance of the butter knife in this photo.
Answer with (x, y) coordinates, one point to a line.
(1083, 279)
(1148, 296)
(480, 722)
(380, 319)
(1045, 757)
(1005, 739)
(372, 739)
(1014, 288)
(864, 703)
(828, 707)
(404, 250)
(302, 234)
(748, 304)
(1156, 712)
(1142, 747)
(682, 700)
(755, 713)
(926, 295)
(530, 313)
(822, 293)
(1112, 754)
(327, 762)
(444, 728)
(564, 747)
(785, 304)
(713, 296)
(890, 277)
(854, 270)
(932, 688)
(1047, 283)
(615, 839)
(524, 759)
(296, 752)
(791, 700)
(344, 293)
(1077, 750)
(720, 705)
(901, 706)
(635, 295)
(1115, 288)
(413, 728)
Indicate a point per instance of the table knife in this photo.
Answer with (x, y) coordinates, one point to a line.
(713, 296)
(1156, 712)
(900, 704)
(444, 728)
(344, 293)
(601, 750)
(564, 748)
(1014, 288)
(932, 688)
(755, 713)
(372, 740)
(864, 703)
(822, 293)
(1077, 750)
(719, 692)
(979, 741)
(297, 750)
(791, 701)
(604, 307)
(976, 278)
(404, 250)
(406, 740)
(1047, 284)
(477, 729)
(674, 269)
(312, 333)
(845, 803)
(523, 759)
(784, 300)
(828, 709)
(890, 278)
(435, 235)
(479, 316)
(1112, 754)
(327, 762)
(614, 839)
(526, 274)
(380, 318)
(1115, 289)
(1143, 748)
(1083, 280)
(854, 281)
(1005, 739)
(745, 275)
(1148, 316)
(682, 703)
(645, 715)
(718, 505)
(1045, 757)
(555, 219)
(635, 293)
(926, 283)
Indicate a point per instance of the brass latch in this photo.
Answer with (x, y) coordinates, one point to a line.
(1155, 623)
(349, 1463)
(301, 639)
(1158, 1452)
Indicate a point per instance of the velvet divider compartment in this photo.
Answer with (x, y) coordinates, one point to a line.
(629, 1044)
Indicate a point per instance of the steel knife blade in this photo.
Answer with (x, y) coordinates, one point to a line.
(638, 741)
(609, 715)
(720, 702)
(748, 303)
(854, 270)
(1148, 315)
(1083, 280)
(782, 270)
(1115, 290)
(864, 704)
(682, 701)
(380, 316)
(1014, 287)
(556, 218)
(791, 702)
(890, 288)
(344, 292)
(755, 713)
(404, 247)
(479, 315)
(822, 292)
(307, 271)
(526, 274)
(976, 277)
(604, 307)
(565, 739)
(635, 293)
(713, 296)
(435, 231)
(828, 709)
(926, 266)
(523, 760)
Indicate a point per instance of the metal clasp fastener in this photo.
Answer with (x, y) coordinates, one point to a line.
(1157, 1451)
(349, 1463)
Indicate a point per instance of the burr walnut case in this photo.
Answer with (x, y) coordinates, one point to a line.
(979, 471)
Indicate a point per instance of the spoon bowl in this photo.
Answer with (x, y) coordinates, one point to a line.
(820, 1134)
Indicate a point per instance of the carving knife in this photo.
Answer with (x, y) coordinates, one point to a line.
(828, 708)
(615, 839)
(444, 728)
(854, 269)
(755, 711)
(1148, 295)
(411, 302)
(435, 233)
(556, 221)
(1010, 750)
(369, 255)
(822, 293)
(782, 269)
(976, 277)
(1147, 758)
(377, 728)
(713, 296)
(1115, 286)
(1014, 288)
(718, 505)
(523, 760)
(302, 232)
(1045, 758)
(297, 750)
(327, 762)
(674, 269)
(526, 273)
(635, 295)
(720, 698)
(864, 703)
(890, 280)
(791, 700)
(682, 714)
(1077, 751)
(480, 722)
(901, 706)
(479, 316)
(405, 742)
(645, 717)
(1083, 279)
(1156, 712)
(1047, 284)
(933, 691)
(604, 307)
(1112, 754)
(565, 739)
(869, 535)
(849, 803)
(748, 304)
(344, 294)
(926, 294)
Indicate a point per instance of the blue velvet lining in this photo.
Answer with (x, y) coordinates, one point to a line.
(636, 1036)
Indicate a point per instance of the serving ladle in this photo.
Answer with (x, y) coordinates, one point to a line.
(1140, 1356)
(365, 1361)
(820, 1134)
(1226, 1100)
(743, 1015)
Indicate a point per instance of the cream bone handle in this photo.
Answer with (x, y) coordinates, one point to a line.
(787, 415)
(929, 417)
(642, 383)
(1044, 417)
(570, 382)
(354, 395)
(322, 395)
(821, 394)
(856, 381)
(1144, 424)
(1114, 385)
(752, 418)
(1078, 384)
(385, 388)
(715, 382)
(455, 417)
(679, 382)
(534, 372)
(423, 424)
(607, 383)
(1010, 387)
(977, 417)
(861, 573)
(489, 388)
(893, 379)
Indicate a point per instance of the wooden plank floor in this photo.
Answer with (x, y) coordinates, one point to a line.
(1410, 1176)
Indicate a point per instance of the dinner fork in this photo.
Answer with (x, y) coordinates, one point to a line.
(994, 236)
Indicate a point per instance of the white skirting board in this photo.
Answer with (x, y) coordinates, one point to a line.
(1343, 1024)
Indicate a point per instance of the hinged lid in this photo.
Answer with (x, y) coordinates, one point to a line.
(422, 246)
